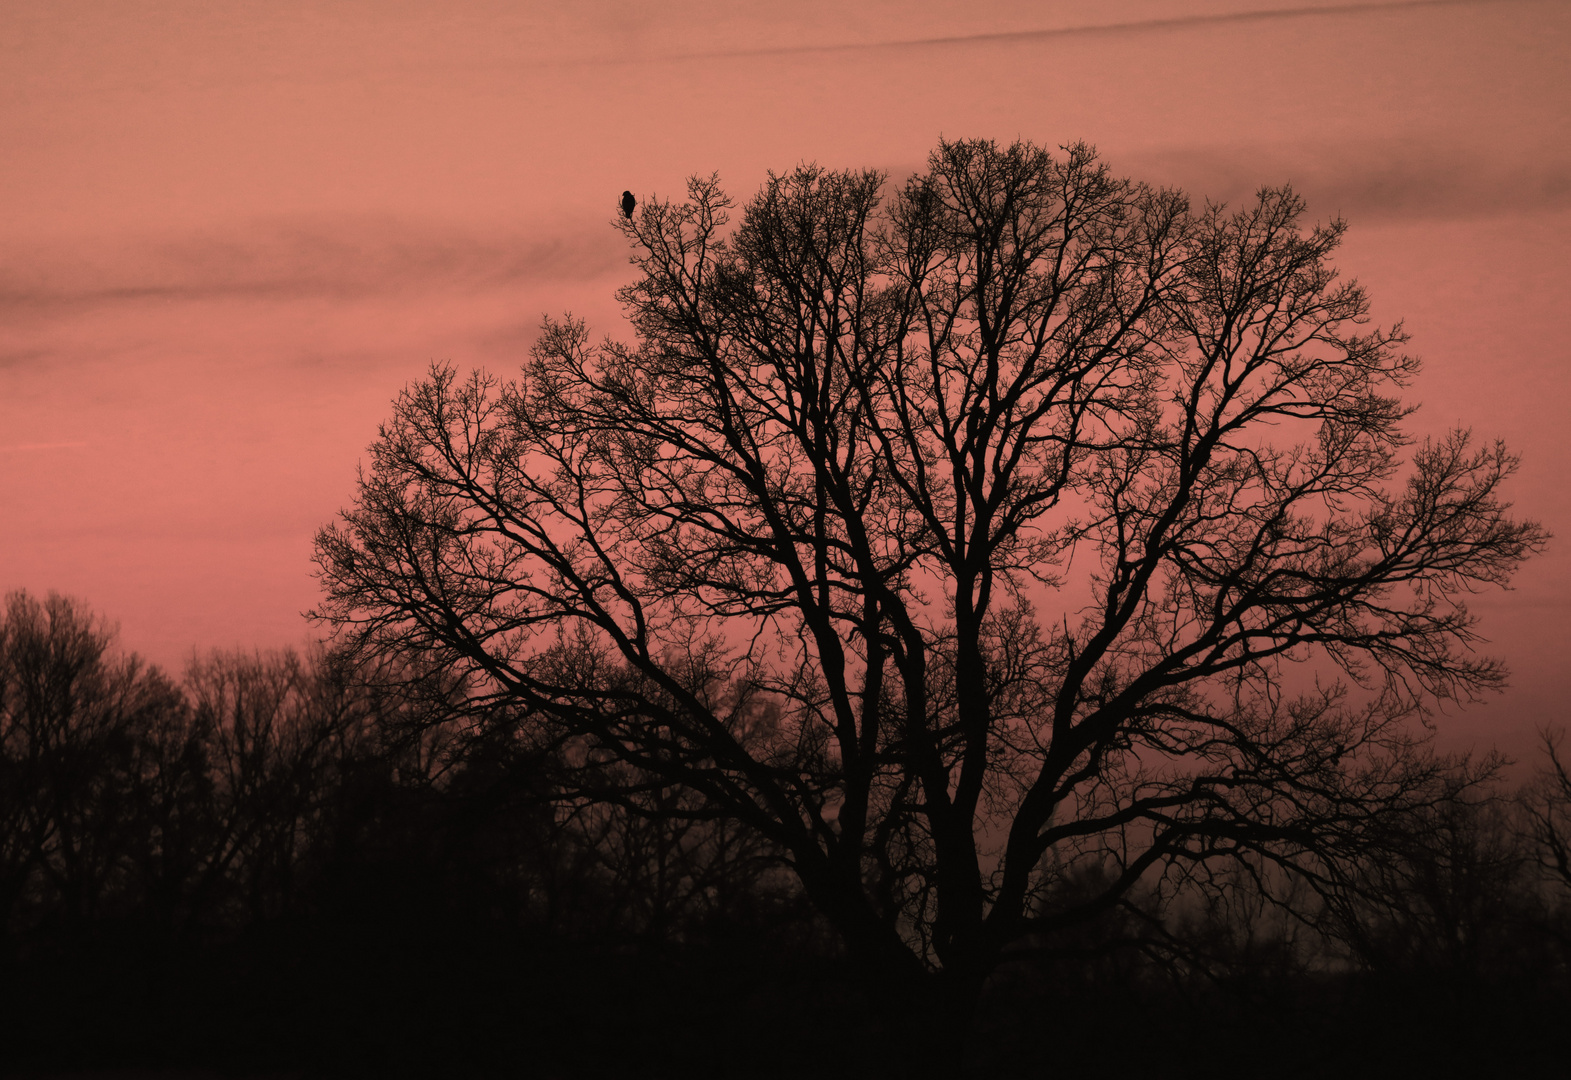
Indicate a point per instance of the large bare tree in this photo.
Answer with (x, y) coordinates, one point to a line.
(955, 537)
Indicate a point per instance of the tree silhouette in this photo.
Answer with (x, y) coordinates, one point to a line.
(959, 540)
(1547, 803)
(72, 723)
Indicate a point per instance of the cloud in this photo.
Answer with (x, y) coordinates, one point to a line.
(1368, 181)
(18, 358)
(42, 446)
(341, 259)
(348, 259)
(1138, 26)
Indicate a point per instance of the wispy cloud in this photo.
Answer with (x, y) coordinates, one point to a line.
(1135, 26)
(287, 260)
(364, 258)
(17, 358)
(1369, 181)
(22, 447)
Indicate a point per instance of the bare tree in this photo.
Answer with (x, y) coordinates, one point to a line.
(955, 539)
(1450, 898)
(276, 730)
(1547, 804)
(72, 718)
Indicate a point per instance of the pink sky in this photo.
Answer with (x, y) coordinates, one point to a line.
(232, 232)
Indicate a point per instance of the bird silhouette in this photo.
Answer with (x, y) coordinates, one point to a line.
(628, 202)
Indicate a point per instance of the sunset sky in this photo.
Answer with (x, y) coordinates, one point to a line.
(229, 233)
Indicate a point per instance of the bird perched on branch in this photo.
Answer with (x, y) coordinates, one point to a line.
(628, 202)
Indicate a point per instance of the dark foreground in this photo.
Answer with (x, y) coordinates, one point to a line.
(268, 870)
(356, 1000)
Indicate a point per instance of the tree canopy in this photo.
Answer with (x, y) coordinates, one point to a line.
(995, 545)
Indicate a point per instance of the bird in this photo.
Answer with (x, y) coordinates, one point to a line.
(628, 202)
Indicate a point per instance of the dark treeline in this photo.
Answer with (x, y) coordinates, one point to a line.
(284, 861)
(275, 863)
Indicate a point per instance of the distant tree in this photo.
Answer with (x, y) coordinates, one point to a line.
(72, 718)
(955, 539)
(283, 735)
(1547, 803)
(1448, 899)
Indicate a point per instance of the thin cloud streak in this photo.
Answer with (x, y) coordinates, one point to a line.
(42, 446)
(1140, 26)
(288, 261)
(1368, 181)
(293, 260)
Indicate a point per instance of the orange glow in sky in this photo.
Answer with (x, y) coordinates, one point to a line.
(230, 233)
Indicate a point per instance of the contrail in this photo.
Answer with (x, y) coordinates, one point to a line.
(1177, 22)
